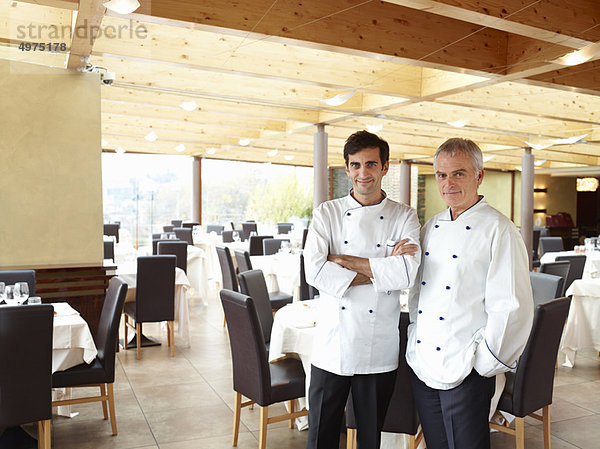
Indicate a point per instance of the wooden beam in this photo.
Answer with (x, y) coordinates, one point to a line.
(86, 30)
(71, 5)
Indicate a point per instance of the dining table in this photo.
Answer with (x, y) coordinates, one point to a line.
(281, 271)
(591, 269)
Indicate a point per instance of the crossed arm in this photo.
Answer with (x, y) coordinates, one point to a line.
(361, 264)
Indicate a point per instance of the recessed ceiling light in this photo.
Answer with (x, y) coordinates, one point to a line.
(568, 140)
(272, 153)
(104, 143)
(458, 123)
(538, 146)
(180, 147)
(374, 128)
(211, 151)
(339, 99)
(488, 158)
(151, 136)
(189, 105)
(244, 142)
(122, 6)
(288, 157)
(119, 150)
(540, 162)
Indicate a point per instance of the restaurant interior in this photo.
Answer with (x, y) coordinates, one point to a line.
(283, 83)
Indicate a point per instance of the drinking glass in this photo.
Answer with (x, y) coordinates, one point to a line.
(8, 292)
(21, 292)
(236, 236)
(2, 291)
(34, 300)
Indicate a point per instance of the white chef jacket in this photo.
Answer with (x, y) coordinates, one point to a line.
(471, 306)
(357, 327)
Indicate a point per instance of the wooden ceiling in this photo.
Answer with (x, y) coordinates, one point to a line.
(260, 72)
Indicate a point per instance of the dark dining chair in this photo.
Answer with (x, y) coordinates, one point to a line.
(304, 237)
(557, 269)
(176, 223)
(545, 287)
(176, 247)
(271, 246)
(168, 228)
(253, 282)
(256, 246)
(263, 383)
(529, 389)
(227, 270)
(184, 234)
(402, 414)
(227, 236)
(155, 243)
(284, 228)
(536, 244)
(112, 229)
(215, 228)
(26, 374)
(243, 260)
(550, 244)
(101, 372)
(109, 249)
(190, 224)
(10, 277)
(306, 291)
(154, 298)
(248, 228)
(576, 268)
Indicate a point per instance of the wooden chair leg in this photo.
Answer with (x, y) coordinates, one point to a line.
(546, 421)
(291, 407)
(171, 329)
(237, 409)
(264, 419)
(111, 407)
(126, 322)
(411, 442)
(138, 337)
(103, 393)
(44, 434)
(350, 438)
(520, 432)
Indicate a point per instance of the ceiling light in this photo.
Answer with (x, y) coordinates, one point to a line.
(151, 136)
(381, 116)
(189, 105)
(288, 157)
(374, 128)
(180, 147)
(538, 146)
(587, 184)
(211, 151)
(122, 6)
(244, 142)
(119, 150)
(458, 123)
(540, 162)
(104, 143)
(339, 99)
(518, 168)
(568, 140)
(272, 153)
(579, 56)
(488, 158)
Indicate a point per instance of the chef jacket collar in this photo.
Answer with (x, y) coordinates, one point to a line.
(477, 205)
(353, 204)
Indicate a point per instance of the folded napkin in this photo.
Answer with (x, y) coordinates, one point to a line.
(63, 309)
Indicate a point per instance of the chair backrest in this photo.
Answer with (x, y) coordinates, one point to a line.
(243, 260)
(402, 414)
(156, 235)
(168, 228)
(112, 229)
(155, 243)
(271, 246)
(557, 269)
(534, 378)
(227, 236)
(190, 224)
(12, 276)
(252, 283)
(576, 268)
(178, 249)
(251, 374)
(176, 223)
(26, 356)
(215, 228)
(227, 269)
(536, 243)
(155, 289)
(304, 236)
(109, 249)
(247, 228)
(550, 244)
(306, 291)
(184, 234)
(284, 228)
(545, 287)
(108, 326)
(256, 246)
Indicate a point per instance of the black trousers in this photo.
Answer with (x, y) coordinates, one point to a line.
(455, 418)
(328, 394)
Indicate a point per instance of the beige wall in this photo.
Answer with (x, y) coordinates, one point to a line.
(50, 167)
(561, 197)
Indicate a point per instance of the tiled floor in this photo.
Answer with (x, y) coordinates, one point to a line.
(185, 402)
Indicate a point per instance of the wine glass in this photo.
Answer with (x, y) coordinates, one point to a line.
(2, 291)
(8, 295)
(21, 292)
(236, 236)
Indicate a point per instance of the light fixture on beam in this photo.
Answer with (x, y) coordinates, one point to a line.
(244, 142)
(579, 56)
(119, 150)
(538, 146)
(211, 151)
(339, 99)
(180, 147)
(122, 6)
(189, 106)
(288, 157)
(151, 136)
(374, 128)
(103, 143)
(458, 123)
(568, 140)
(488, 158)
(539, 162)
(587, 184)
(272, 153)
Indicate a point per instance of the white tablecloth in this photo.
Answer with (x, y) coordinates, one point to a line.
(591, 269)
(128, 274)
(208, 243)
(281, 271)
(72, 342)
(582, 329)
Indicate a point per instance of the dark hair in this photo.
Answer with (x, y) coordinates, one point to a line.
(364, 139)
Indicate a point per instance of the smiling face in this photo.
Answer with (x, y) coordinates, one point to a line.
(366, 173)
(457, 181)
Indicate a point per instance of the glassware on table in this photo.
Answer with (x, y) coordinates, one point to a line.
(236, 236)
(34, 300)
(285, 247)
(21, 292)
(8, 295)
(2, 291)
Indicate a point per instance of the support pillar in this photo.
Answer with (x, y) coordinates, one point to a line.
(405, 182)
(197, 190)
(321, 178)
(527, 173)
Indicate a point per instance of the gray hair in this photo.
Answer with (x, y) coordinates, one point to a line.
(466, 146)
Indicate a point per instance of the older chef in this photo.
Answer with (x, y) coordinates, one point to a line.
(348, 257)
(471, 309)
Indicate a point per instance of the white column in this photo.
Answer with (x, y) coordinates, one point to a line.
(321, 175)
(527, 202)
(405, 182)
(196, 191)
